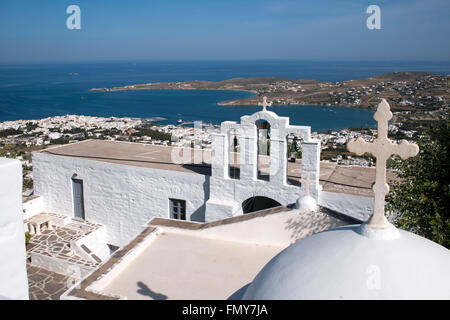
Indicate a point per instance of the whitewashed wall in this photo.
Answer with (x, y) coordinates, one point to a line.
(121, 197)
(13, 271)
(357, 207)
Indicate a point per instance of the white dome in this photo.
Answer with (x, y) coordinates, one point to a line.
(343, 263)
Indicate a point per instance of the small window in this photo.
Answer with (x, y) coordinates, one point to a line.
(177, 209)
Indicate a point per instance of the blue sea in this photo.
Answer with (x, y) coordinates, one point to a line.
(35, 91)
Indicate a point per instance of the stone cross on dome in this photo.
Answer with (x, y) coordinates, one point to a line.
(382, 148)
(265, 104)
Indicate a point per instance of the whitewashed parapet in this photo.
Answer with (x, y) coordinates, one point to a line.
(33, 207)
(218, 161)
(13, 272)
(311, 167)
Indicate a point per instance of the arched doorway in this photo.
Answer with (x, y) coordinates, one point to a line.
(258, 203)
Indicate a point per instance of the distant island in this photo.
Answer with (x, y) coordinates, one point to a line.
(416, 98)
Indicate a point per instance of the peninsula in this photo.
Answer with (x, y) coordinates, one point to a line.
(406, 91)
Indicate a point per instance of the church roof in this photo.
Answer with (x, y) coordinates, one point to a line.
(334, 178)
(177, 259)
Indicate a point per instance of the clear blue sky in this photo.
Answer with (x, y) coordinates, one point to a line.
(35, 30)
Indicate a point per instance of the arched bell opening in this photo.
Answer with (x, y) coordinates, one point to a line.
(233, 154)
(293, 159)
(263, 148)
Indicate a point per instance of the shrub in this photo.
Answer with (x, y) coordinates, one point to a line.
(422, 195)
(27, 237)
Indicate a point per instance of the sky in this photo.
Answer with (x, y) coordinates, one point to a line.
(117, 30)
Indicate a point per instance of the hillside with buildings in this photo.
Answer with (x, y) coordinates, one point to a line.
(416, 98)
(406, 91)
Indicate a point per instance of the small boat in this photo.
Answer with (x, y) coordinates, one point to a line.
(180, 121)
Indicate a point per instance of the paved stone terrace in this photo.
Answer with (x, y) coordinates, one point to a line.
(55, 243)
(46, 285)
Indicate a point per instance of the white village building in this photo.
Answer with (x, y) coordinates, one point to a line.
(123, 185)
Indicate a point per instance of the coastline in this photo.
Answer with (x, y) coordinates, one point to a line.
(235, 103)
(416, 98)
(231, 103)
(400, 88)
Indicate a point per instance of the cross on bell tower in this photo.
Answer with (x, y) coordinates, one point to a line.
(382, 148)
(307, 181)
(265, 104)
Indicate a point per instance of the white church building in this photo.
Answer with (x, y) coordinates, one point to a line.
(201, 226)
(123, 185)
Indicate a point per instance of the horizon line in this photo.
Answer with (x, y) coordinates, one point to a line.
(43, 62)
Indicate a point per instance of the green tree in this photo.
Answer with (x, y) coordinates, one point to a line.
(152, 133)
(10, 132)
(421, 196)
